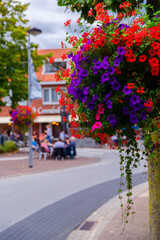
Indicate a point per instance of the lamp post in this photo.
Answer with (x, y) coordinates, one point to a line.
(34, 32)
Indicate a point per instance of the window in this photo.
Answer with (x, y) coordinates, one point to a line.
(46, 95)
(54, 95)
(50, 96)
(54, 67)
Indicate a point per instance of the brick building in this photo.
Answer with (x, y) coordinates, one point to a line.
(48, 106)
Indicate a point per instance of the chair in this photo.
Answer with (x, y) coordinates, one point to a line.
(59, 153)
(71, 151)
(42, 153)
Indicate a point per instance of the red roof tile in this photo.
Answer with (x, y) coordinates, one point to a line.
(57, 53)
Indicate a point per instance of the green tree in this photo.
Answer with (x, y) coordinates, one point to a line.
(13, 51)
(83, 6)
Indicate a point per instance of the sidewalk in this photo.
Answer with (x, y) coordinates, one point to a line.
(106, 222)
(17, 164)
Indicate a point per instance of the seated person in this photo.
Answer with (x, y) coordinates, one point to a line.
(59, 149)
(45, 146)
(71, 148)
(35, 145)
(115, 139)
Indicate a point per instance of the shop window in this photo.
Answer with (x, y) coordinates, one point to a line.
(50, 96)
(54, 67)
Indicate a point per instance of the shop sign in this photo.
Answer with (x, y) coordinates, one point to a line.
(49, 110)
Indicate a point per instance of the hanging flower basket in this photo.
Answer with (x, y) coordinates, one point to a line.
(23, 117)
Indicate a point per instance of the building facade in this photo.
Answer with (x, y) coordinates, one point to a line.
(48, 106)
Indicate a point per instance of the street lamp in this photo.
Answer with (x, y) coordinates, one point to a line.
(34, 32)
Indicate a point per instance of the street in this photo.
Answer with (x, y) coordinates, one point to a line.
(50, 205)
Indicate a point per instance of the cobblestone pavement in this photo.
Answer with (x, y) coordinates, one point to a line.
(20, 166)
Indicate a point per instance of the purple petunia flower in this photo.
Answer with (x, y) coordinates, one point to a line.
(116, 62)
(105, 58)
(112, 120)
(85, 59)
(73, 74)
(116, 86)
(111, 70)
(125, 111)
(70, 55)
(93, 85)
(76, 82)
(83, 73)
(109, 104)
(134, 99)
(104, 78)
(71, 89)
(107, 96)
(95, 97)
(105, 64)
(97, 65)
(133, 119)
(127, 90)
(121, 26)
(132, 113)
(112, 80)
(94, 60)
(121, 50)
(84, 99)
(90, 105)
(86, 91)
(94, 70)
(143, 115)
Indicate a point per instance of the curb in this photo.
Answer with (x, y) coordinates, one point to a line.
(102, 216)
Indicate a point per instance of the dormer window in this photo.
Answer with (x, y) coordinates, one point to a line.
(54, 67)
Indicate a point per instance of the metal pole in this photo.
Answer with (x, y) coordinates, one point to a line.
(29, 102)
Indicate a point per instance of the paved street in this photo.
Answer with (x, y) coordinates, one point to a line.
(50, 205)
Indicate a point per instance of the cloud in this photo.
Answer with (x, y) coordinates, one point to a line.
(50, 18)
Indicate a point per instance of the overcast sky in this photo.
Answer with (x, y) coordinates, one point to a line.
(49, 17)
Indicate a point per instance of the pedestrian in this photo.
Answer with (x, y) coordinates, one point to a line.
(48, 131)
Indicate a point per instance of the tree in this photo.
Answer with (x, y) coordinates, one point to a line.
(13, 51)
(113, 86)
(84, 6)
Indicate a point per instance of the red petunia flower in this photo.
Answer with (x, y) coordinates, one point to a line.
(142, 58)
(129, 43)
(152, 52)
(51, 60)
(155, 45)
(115, 41)
(64, 56)
(67, 23)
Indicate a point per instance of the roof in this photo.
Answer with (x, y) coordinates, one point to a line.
(57, 53)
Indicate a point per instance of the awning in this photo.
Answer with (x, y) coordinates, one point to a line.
(48, 119)
(40, 119)
(5, 120)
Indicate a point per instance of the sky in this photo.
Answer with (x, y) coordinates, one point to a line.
(49, 17)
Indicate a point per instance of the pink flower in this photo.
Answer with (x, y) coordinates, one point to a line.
(96, 125)
(100, 105)
(100, 110)
(97, 116)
